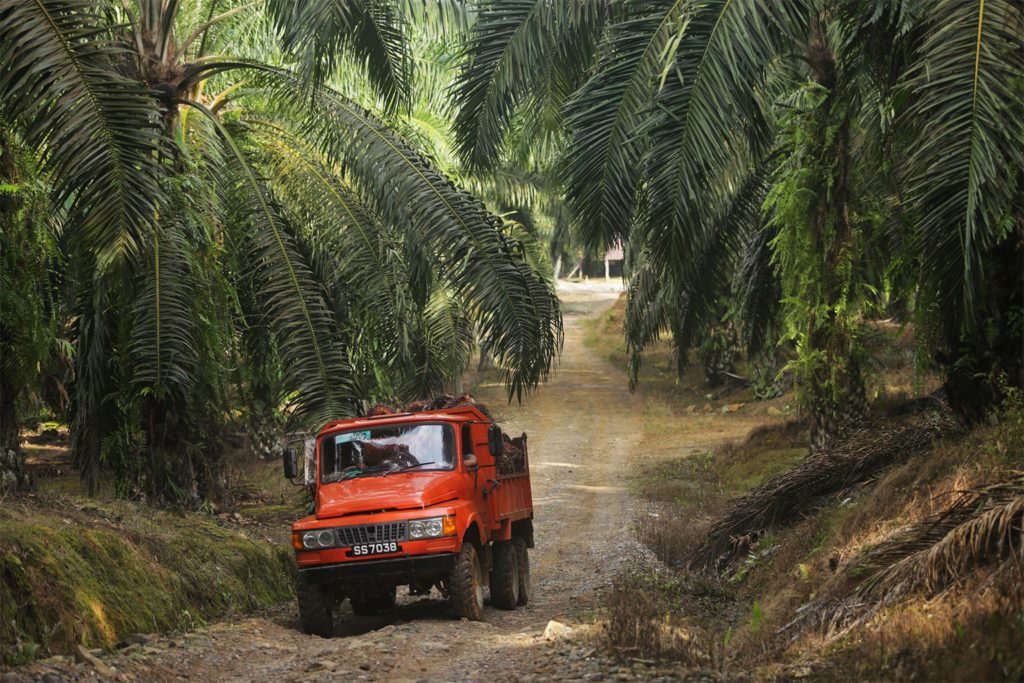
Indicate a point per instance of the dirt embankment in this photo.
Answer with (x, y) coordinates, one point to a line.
(75, 571)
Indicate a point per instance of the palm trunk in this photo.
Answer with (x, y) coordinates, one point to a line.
(838, 400)
(13, 474)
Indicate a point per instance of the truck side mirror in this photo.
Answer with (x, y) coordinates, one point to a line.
(291, 463)
(469, 460)
(495, 444)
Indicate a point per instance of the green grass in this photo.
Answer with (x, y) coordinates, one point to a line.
(740, 474)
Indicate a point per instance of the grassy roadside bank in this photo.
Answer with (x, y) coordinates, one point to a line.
(85, 571)
(910, 572)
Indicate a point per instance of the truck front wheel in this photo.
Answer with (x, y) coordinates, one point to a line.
(466, 584)
(505, 576)
(316, 608)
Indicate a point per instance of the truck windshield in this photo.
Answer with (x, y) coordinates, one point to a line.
(388, 448)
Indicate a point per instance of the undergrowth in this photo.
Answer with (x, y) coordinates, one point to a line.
(76, 571)
(962, 619)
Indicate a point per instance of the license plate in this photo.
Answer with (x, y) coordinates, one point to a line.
(364, 549)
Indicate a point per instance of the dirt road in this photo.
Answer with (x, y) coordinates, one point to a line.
(582, 425)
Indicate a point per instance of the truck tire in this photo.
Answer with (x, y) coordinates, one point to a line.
(373, 603)
(316, 608)
(466, 584)
(505, 576)
(523, 559)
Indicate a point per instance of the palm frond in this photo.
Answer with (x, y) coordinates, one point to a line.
(700, 279)
(605, 118)
(318, 32)
(441, 349)
(513, 46)
(982, 527)
(361, 264)
(508, 44)
(650, 307)
(781, 498)
(967, 147)
(98, 131)
(510, 185)
(428, 131)
(93, 408)
(312, 358)
(757, 290)
(162, 350)
(979, 527)
(516, 310)
(708, 114)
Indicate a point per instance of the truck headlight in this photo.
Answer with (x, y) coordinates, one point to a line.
(314, 540)
(433, 527)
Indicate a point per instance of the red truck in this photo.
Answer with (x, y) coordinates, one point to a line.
(429, 499)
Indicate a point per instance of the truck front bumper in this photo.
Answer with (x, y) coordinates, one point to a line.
(397, 570)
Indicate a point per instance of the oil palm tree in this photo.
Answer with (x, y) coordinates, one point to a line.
(227, 210)
(682, 130)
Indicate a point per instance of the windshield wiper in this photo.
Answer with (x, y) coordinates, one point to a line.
(408, 467)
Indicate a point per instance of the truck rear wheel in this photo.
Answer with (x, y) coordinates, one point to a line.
(316, 608)
(373, 603)
(466, 584)
(505, 576)
(523, 560)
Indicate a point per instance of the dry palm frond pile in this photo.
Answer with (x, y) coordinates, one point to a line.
(782, 498)
(983, 527)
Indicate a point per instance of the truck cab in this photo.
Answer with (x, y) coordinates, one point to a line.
(438, 499)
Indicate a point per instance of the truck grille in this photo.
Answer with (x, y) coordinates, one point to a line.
(371, 533)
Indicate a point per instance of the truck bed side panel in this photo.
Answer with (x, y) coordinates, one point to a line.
(514, 497)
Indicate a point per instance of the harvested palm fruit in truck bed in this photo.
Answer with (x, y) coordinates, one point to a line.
(513, 457)
(442, 402)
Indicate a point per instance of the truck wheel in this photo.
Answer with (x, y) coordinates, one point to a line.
(505, 576)
(466, 584)
(316, 608)
(523, 560)
(373, 603)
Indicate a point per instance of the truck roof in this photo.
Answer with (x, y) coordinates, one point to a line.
(461, 414)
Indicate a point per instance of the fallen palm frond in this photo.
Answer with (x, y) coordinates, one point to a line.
(981, 527)
(781, 498)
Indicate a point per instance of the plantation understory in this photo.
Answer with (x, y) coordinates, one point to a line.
(894, 555)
